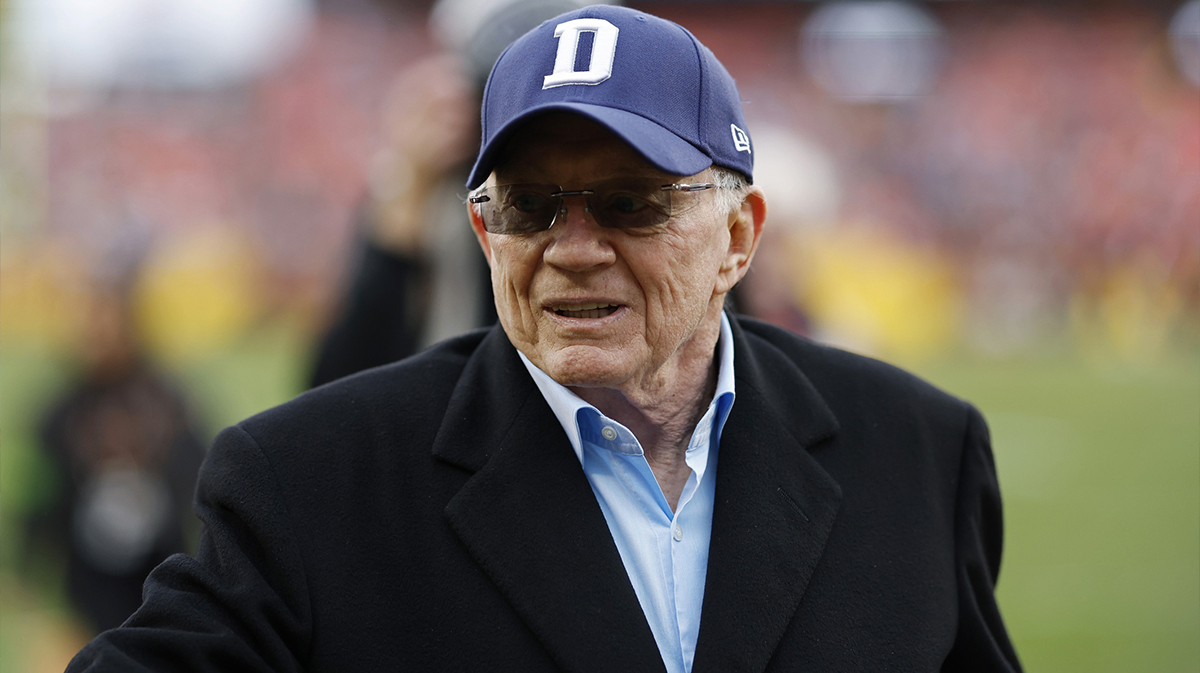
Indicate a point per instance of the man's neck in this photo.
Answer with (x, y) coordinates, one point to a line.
(663, 413)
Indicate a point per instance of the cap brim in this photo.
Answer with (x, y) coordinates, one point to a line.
(657, 145)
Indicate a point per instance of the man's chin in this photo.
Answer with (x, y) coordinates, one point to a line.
(586, 367)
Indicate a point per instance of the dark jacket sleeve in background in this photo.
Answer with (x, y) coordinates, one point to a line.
(380, 318)
(385, 312)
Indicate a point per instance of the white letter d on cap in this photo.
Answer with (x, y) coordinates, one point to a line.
(604, 49)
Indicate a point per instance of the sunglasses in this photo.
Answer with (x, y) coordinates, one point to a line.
(623, 203)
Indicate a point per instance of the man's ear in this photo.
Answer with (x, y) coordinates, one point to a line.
(745, 230)
(476, 217)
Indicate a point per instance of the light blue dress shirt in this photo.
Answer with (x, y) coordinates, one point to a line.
(665, 553)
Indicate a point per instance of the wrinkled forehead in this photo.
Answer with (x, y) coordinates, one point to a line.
(565, 148)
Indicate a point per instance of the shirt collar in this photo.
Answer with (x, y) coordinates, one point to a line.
(566, 404)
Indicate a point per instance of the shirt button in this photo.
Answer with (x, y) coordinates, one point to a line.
(609, 433)
(678, 535)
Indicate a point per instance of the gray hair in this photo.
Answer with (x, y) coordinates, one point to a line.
(731, 188)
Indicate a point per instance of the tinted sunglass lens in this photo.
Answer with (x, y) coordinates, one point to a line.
(616, 204)
(522, 209)
(630, 205)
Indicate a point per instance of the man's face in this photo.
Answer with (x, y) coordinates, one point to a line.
(594, 306)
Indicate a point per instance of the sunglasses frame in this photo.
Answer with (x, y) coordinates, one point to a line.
(479, 198)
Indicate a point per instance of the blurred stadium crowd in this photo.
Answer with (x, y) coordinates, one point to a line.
(994, 178)
(1037, 184)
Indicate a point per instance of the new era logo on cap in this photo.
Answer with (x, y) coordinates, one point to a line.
(741, 141)
(647, 79)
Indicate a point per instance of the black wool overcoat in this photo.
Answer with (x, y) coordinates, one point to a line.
(430, 515)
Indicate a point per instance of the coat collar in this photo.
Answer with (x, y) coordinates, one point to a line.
(529, 518)
(775, 506)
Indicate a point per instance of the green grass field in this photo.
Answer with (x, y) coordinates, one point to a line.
(1100, 467)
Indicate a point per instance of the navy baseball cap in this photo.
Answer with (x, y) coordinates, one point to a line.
(646, 79)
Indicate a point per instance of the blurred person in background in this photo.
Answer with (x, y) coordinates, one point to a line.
(125, 455)
(418, 276)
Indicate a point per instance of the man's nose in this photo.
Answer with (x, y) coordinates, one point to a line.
(578, 242)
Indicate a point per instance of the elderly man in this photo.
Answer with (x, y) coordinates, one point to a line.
(577, 489)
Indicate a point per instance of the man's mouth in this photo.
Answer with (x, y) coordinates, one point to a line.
(591, 310)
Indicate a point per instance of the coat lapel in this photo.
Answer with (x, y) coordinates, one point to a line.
(775, 506)
(531, 522)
